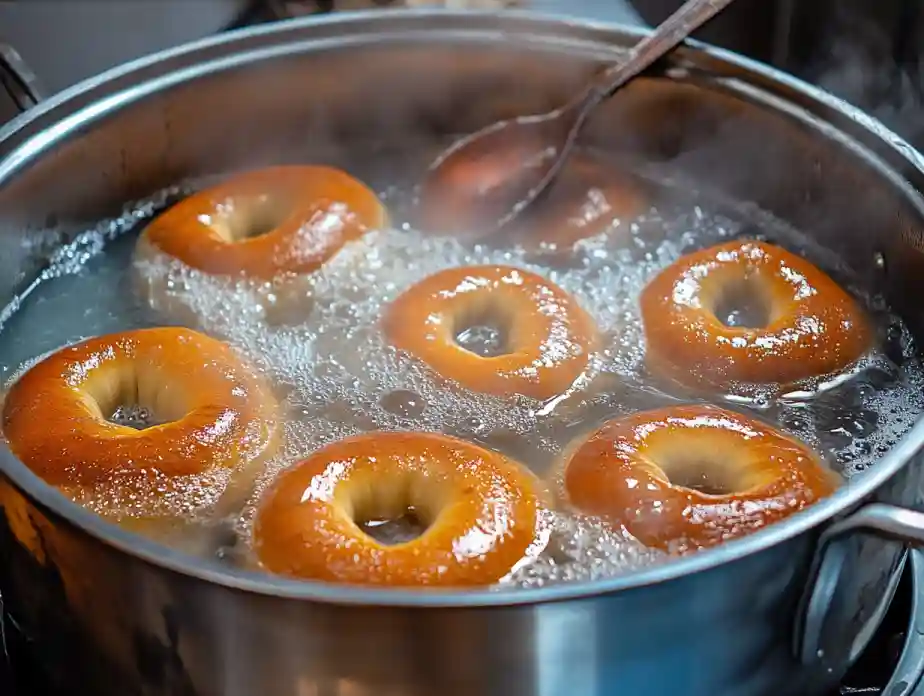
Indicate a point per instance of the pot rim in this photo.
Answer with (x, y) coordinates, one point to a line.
(546, 26)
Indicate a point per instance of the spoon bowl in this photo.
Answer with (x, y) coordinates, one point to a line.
(482, 181)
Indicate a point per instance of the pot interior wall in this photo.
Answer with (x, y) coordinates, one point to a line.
(380, 108)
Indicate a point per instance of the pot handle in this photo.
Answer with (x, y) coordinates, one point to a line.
(17, 78)
(908, 677)
(889, 521)
(827, 634)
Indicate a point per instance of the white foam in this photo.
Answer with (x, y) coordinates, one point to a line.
(583, 549)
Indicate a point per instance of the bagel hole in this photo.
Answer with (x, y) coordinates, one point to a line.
(743, 305)
(701, 475)
(396, 530)
(254, 218)
(133, 416)
(483, 333)
(133, 399)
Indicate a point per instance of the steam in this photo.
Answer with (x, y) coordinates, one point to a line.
(863, 60)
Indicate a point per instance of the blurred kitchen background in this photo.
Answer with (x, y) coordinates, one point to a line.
(866, 51)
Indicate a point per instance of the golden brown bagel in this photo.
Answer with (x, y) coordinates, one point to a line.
(213, 409)
(482, 512)
(586, 199)
(810, 328)
(549, 337)
(649, 471)
(266, 223)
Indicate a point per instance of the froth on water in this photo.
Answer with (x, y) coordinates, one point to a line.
(320, 342)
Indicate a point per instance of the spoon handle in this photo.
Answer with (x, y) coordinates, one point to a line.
(669, 34)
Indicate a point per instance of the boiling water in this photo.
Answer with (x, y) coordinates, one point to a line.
(321, 345)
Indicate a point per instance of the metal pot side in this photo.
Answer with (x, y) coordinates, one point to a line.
(781, 612)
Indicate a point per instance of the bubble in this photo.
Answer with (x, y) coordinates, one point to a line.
(403, 403)
(485, 341)
(584, 549)
(133, 416)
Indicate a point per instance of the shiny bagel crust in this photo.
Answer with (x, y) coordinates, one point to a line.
(549, 337)
(214, 410)
(482, 510)
(305, 214)
(813, 328)
(639, 471)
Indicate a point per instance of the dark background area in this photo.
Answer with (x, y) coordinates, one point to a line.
(867, 52)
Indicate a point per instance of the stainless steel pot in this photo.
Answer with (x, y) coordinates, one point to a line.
(67, 42)
(781, 612)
